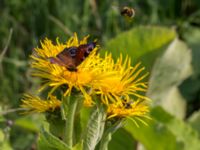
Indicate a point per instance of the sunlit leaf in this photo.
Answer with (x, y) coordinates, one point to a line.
(172, 68)
(165, 132)
(154, 135)
(142, 43)
(184, 133)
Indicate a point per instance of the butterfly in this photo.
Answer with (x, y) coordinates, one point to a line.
(71, 57)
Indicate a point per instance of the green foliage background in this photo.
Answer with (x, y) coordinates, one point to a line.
(163, 35)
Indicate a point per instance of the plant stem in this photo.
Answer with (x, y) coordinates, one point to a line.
(106, 138)
(104, 141)
(69, 123)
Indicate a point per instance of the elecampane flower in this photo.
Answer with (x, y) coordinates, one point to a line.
(111, 81)
(55, 75)
(35, 104)
(134, 110)
(127, 82)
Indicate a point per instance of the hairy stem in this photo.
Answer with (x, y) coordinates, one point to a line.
(69, 123)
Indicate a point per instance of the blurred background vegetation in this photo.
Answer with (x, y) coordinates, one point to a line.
(163, 35)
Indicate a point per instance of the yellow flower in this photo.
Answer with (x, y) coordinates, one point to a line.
(111, 81)
(125, 83)
(55, 75)
(35, 104)
(134, 110)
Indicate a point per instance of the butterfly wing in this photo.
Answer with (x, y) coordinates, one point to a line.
(73, 56)
(83, 52)
(55, 60)
(65, 58)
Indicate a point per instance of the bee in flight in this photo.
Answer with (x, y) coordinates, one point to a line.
(127, 12)
(71, 57)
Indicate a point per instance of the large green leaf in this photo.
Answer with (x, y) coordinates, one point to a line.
(154, 136)
(169, 71)
(184, 133)
(165, 132)
(142, 43)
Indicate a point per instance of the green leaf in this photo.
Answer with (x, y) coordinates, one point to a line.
(194, 121)
(110, 128)
(2, 136)
(121, 139)
(142, 43)
(84, 117)
(172, 68)
(42, 143)
(185, 135)
(78, 146)
(190, 88)
(95, 129)
(4, 143)
(5, 146)
(165, 132)
(155, 135)
(30, 123)
(56, 124)
(49, 141)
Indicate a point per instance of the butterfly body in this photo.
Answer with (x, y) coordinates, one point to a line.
(71, 57)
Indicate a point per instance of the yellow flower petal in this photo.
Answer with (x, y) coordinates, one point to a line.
(125, 81)
(35, 104)
(55, 75)
(124, 109)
